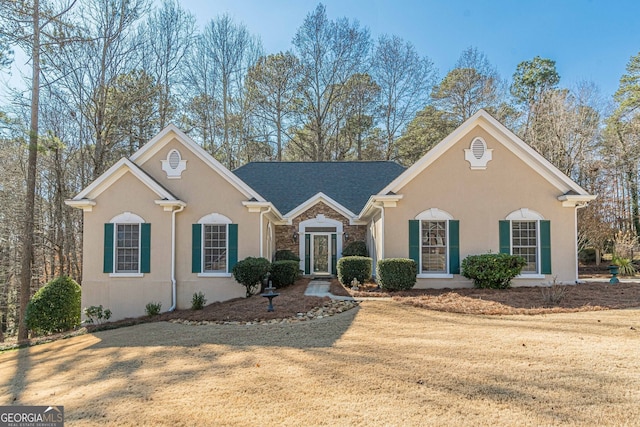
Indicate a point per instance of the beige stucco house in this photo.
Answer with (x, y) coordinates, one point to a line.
(171, 220)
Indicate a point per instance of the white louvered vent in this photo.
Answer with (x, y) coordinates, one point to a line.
(478, 155)
(478, 148)
(174, 165)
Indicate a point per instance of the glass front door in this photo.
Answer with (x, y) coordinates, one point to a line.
(321, 253)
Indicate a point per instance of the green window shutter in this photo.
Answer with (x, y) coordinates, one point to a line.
(545, 247)
(232, 259)
(196, 248)
(505, 237)
(108, 248)
(145, 247)
(414, 241)
(307, 254)
(334, 249)
(454, 247)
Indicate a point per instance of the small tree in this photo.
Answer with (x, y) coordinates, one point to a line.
(55, 307)
(249, 273)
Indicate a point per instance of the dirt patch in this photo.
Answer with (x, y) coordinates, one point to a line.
(520, 300)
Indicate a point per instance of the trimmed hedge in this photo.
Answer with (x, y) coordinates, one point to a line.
(286, 255)
(284, 273)
(493, 271)
(249, 273)
(55, 307)
(354, 267)
(357, 248)
(397, 274)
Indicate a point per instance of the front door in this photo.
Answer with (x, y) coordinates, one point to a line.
(321, 253)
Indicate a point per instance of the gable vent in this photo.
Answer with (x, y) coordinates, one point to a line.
(174, 159)
(478, 149)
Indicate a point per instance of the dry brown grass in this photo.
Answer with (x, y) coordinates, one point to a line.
(384, 363)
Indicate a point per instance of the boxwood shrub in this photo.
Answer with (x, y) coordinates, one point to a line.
(357, 248)
(55, 307)
(284, 273)
(396, 274)
(286, 255)
(249, 273)
(492, 270)
(354, 267)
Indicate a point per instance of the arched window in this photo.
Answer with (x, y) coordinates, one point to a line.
(214, 246)
(127, 245)
(526, 233)
(434, 243)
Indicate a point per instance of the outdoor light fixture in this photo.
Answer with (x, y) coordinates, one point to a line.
(346, 236)
(295, 237)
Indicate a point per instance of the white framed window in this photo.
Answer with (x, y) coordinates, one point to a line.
(214, 248)
(434, 244)
(527, 234)
(127, 248)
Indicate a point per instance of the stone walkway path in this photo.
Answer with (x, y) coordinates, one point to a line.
(320, 288)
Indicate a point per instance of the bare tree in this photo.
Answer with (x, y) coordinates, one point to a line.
(330, 53)
(405, 80)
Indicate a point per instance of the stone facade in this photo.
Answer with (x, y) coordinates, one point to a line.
(284, 233)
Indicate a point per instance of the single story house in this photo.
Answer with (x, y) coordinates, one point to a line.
(171, 221)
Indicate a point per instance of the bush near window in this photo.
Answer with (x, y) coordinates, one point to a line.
(357, 248)
(396, 274)
(249, 273)
(198, 301)
(493, 271)
(55, 307)
(286, 255)
(353, 267)
(284, 273)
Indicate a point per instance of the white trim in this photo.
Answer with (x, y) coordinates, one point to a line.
(312, 257)
(434, 214)
(314, 200)
(524, 214)
(211, 274)
(476, 163)
(214, 218)
(503, 135)
(126, 274)
(434, 276)
(164, 137)
(174, 173)
(573, 200)
(114, 173)
(127, 218)
(85, 204)
(536, 276)
(319, 221)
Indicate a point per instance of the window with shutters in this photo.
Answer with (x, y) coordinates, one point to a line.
(526, 233)
(127, 248)
(214, 246)
(524, 243)
(434, 244)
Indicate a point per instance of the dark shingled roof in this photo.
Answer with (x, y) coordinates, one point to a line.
(288, 184)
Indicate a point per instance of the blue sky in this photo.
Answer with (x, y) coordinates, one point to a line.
(589, 39)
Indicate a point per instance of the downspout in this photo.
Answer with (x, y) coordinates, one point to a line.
(580, 206)
(261, 231)
(174, 298)
(381, 207)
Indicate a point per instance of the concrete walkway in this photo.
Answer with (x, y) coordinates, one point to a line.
(320, 288)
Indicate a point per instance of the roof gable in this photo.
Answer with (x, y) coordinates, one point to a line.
(505, 137)
(114, 173)
(172, 132)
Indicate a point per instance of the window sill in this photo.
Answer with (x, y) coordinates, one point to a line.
(214, 275)
(435, 276)
(126, 274)
(531, 276)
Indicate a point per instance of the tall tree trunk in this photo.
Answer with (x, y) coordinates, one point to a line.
(27, 248)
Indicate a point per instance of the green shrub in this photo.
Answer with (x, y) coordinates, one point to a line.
(354, 267)
(492, 270)
(284, 273)
(95, 314)
(198, 301)
(587, 256)
(249, 273)
(357, 248)
(55, 307)
(396, 274)
(286, 255)
(153, 308)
